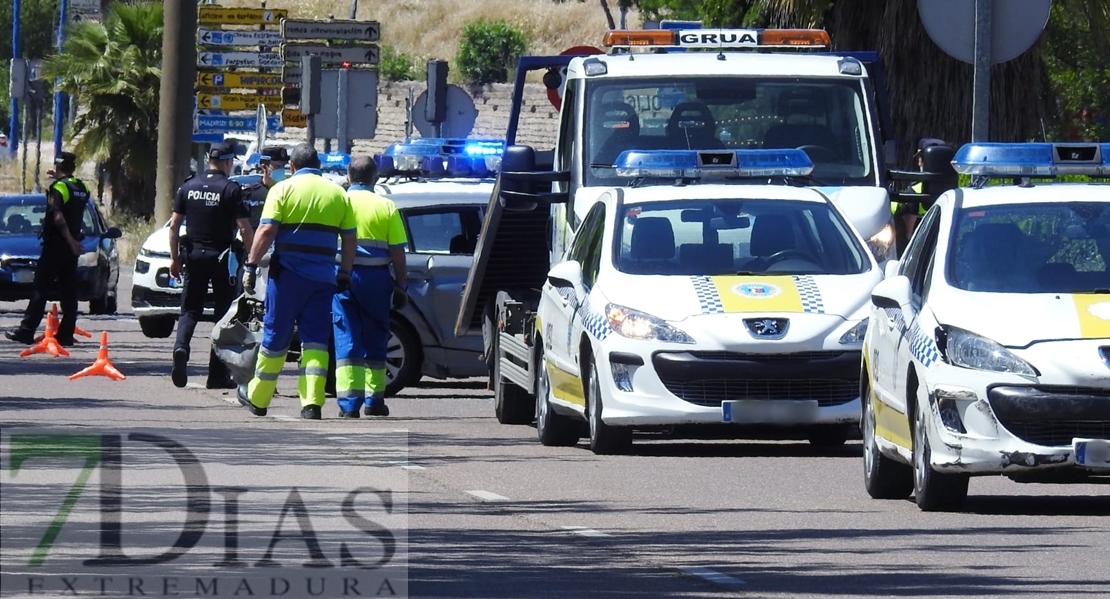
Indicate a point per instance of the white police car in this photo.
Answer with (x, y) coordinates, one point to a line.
(737, 305)
(988, 350)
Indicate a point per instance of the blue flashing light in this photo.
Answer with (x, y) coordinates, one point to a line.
(695, 164)
(1032, 159)
(436, 157)
(334, 161)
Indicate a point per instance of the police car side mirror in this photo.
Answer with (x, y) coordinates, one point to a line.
(113, 233)
(890, 268)
(568, 273)
(892, 293)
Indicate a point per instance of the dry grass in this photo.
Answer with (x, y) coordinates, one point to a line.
(430, 28)
(12, 170)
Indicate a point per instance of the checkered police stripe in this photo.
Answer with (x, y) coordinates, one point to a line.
(895, 316)
(595, 322)
(708, 298)
(810, 294)
(923, 346)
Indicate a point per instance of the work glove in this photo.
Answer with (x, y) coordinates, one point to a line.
(250, 277)
(400, 296)
(342, 281)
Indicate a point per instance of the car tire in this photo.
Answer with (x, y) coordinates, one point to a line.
(552, 428)
(604, 439)
(934, 491)
(883, 478)
(157, 327)
(828, 436)
(403, 358)
(511, 404)
(111, 304)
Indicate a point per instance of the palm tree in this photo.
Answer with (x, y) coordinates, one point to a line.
(112, 70)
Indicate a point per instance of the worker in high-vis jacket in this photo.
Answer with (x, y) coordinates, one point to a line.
(362, 312)
(304, 217)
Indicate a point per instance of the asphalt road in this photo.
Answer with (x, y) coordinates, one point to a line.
(491, 513)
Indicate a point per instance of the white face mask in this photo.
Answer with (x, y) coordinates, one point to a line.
(278, 174)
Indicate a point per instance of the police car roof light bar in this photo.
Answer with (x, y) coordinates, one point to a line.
(1003, 160)
(435, 157)
(727, 39)
(698, 164)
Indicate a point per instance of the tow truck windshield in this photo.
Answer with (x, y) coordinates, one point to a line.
(825, 118)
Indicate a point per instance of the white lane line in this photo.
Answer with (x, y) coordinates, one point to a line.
(586, 532)
(407, 466)
(712, 576)
(341, 439)
(194, 386)
(487, 496)
(280, 416)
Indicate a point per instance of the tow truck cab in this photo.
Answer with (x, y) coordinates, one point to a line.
(711, 90)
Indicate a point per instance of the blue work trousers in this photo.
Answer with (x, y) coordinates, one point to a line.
(361, 319)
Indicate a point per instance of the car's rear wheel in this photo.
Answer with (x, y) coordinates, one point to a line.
(511, 404)
(604, 439)
(157, 327)
(934, 491)
(883, 477)
(552, 428)
(403, 357)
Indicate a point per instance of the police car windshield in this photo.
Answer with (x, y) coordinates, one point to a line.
(825, 117)
(1032, 248)
(722, 237)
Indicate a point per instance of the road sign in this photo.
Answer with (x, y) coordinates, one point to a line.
(238, 102)
(291, 117)
(1015, 26)
(360, 101)
(235, 123)
(239, 59)
(216, 37)
(220, 15)
(207, 138)
(365, 31)
(339, 53)
(239, 80)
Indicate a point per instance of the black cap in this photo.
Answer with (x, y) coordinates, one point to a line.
(928, 142)
(66, 159)
(274, 153)
(221, 151)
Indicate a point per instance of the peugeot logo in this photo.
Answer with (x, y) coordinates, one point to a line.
(767, 328)
(1105, 353)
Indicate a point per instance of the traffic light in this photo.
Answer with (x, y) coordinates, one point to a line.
(435, 109)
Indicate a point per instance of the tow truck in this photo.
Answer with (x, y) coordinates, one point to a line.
(713, 91)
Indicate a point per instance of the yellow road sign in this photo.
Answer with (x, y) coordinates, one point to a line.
(293, 118)
(237, 102)
(239, 80)
(222, 15)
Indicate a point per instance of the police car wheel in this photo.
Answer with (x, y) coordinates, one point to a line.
(403, 357)
(934, 491)
(882, 477)
(511, 404)
(157, 327)
(552, 428)
(604, 439)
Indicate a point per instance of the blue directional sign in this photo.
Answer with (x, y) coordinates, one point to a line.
(207, 138)
(235, 123)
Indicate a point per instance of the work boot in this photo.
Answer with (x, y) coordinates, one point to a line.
(377, 409)
(310, 412)
(244, 400)
(179, 375)
(21, 335)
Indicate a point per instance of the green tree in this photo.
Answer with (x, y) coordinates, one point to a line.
(488, 51)
(38, 21)
(112, 69)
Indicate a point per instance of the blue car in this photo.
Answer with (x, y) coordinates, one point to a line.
(21, 221)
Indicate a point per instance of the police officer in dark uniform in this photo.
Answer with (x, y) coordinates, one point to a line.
(213, 206)
(272, 161)
(67, 200)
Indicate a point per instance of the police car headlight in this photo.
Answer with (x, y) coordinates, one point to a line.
(855, 334)
(638, 325)
(87, 260)
(966, 349)
(882, 243)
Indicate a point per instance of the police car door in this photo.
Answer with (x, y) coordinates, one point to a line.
(441, 249)
(567, 289)
(913, 339)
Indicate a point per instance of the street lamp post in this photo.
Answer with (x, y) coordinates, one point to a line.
(13, 122)
(59, 96)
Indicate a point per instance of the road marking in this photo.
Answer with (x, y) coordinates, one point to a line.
(341, 439)
(586, 532)
(712, 576)
(194, 386)
(280, 416)
(231, 400)
(487, 496)
(407, 466)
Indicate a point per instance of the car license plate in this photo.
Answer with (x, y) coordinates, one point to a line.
(23, 276)
(769, 411)
(1092, 453)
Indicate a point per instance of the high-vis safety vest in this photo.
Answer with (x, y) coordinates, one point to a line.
(378, 226)
(75, 199)
(310, 213)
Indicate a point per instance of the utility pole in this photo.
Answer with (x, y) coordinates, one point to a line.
(59, 96)
(175, 104)
(13, 121)
(981, 86)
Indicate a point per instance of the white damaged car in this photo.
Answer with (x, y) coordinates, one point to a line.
(736, 307)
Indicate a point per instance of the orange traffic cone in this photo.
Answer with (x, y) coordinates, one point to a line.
(48, 344)
(102, 366)
(57, 321)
